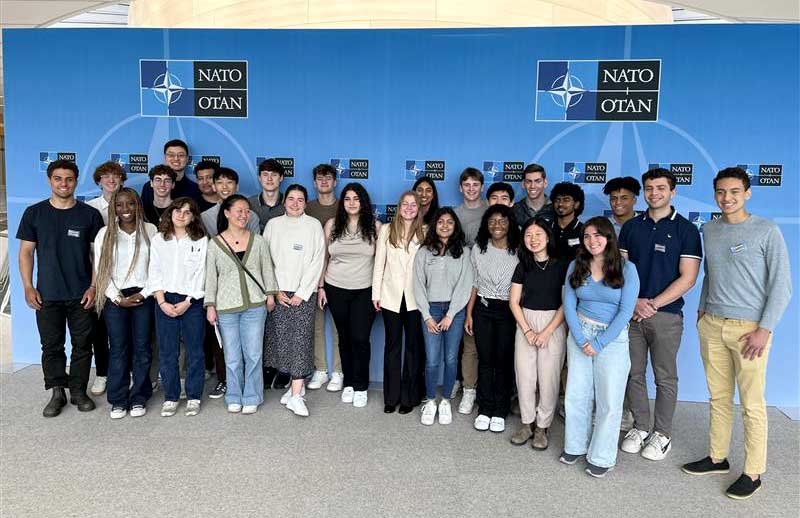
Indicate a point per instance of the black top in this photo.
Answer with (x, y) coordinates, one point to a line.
(152, 214)
(204, 205)
(568, 239)
(541, 289)
(240, 255)
(63, 238)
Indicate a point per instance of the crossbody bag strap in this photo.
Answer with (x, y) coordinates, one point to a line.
(241, 265)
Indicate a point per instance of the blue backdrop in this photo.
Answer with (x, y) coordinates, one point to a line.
(726, 95)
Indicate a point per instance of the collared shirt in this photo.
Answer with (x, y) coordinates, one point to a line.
(617, 226)
(209, 219)
(656, 248)
(121, 274)
(523, 212)
(177, 266)
(101, 205)
(568, 240)
(264, 211)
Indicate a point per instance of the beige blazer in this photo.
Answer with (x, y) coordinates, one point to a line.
(392, 276)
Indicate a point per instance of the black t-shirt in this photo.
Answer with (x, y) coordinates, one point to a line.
(204, 205)
(152, 214)
(63, 240)
(541, 289)
(569, 239)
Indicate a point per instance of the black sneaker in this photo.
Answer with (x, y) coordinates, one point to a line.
(568, 458)
(597, 471)
(219, 390)
(706, 466)
(743, 488)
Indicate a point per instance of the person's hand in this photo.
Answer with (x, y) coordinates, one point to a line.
(283, 299)
(530, 336)
(445, 323)
(270, 303)
(588, 350)
(433, 328)
(644, 309)
(754, 343)
(132, 301)
(88, 297)
(376, 304)
(169, 309)
(468, 325)
(211, 315)
(322, 298)
(181, 307)
(295, 301)
(542, 338)
(33, 298)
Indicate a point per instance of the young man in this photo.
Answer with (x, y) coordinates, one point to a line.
(666, 249)
(323, 209)
(60, 231)
(176, 157)
(535, 202)
(204, 172)
(746, 289)
(269, 202)
(622, 194)
(226, 183)
(568, 200)
(500, 192)
(109, 176)
(162, 183)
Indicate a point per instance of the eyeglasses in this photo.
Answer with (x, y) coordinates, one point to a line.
(499, 222)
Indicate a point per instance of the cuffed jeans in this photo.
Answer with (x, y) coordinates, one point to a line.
(242, 333)
(595, 381)
(52, 321)
(445, 345)
(129, 331)
(190, 326)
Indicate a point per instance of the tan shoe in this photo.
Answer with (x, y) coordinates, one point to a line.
(540, 441)
(522, 435)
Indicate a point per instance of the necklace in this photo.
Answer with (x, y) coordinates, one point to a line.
(546, 263)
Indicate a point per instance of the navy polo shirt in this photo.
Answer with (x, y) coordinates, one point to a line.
(656, 249)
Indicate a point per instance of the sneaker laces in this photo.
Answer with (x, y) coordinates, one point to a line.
(659, 440)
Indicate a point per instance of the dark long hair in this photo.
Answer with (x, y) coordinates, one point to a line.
(526, 256)
(613, 263)
(227, 203)
(366, 218)
(434, 206)
(455, 244)
(193, 229)
(482, 240)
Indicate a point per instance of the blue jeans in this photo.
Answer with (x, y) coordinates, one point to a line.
(129, 331)
(242, 340)
(169, 331)
(446, 344)
(596, 381)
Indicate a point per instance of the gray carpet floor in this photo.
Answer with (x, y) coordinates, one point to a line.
(343, 462)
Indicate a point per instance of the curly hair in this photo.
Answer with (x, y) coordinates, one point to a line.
(194, 229)
(455, 243)
(482, 240)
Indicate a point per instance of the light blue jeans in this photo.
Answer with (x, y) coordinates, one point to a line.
(445, 344)
(600, 382)
(243, 341)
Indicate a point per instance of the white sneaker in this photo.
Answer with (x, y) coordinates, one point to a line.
(234, 408)
(192, 407)
(467, 401)
(99, 386)
(445, 412)
(456, 388)
(318, 380)
(288, 394)
(428, 412)
(297, 405)
(497, 425)
(336, 383)
(482, 423)
(627, 421)
(249, 409)
(657, 447)
(347, 394)
(168, 408)
(360, 398)
(118, 412)
(633, 441)
(138, 410)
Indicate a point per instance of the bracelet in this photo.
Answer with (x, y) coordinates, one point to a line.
(162, 303)
(528, 331)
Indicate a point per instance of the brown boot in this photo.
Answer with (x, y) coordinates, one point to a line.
(540, 441)
(522, 435)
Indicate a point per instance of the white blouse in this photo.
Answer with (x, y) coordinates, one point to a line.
(178, 266)
(123, 256)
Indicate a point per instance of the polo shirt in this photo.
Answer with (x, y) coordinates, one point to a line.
(264, 211)
(567, 240)
(656, 249)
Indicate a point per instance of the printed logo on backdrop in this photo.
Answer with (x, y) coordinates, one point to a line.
(683, 172)
(495, 171)
(355, 168)
(286, 162)
(45, 157)
(701, 218)
(193, 160)
(585, 172)
(385, 213)
(433, 169)
(132, 163)
(764, 175)
(599, 90)
(186, 88)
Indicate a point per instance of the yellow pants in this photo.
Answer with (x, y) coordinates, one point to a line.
(721, 349)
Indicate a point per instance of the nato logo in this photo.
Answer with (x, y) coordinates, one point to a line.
(764, 175)
(185, 88)
(193, 160)
(701, 218)
(132, 163)
(45, 157)
(683, 172)
(585, 172)
(385, 213)
(355, 168)
(494, 171)
(286, 162)
(578, 90)
(433, 169)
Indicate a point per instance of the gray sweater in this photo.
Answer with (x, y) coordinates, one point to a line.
(746, 271)
(442, 279)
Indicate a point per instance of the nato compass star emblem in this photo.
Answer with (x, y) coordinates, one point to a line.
(493, 171)
(699, 221)
(167, 88)
(567, 90)
(339, 168)
(574, 172)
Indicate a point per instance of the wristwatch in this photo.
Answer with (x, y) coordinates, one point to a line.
(117, 300)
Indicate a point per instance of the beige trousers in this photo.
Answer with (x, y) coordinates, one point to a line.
(321, 346)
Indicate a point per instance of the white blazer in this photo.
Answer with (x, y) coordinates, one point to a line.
(392, 276)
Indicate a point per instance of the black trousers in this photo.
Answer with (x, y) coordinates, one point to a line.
(494, 327)
(52, 321)
(403, 369)
(100, 345)
(213, 355)
(353, 315)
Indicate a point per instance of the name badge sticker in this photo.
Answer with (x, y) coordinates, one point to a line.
(73, 233)
(574, 241)
(660, 248)
(297, 247)
(738, 249)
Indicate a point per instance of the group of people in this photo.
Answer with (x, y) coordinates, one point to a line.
(504, 298)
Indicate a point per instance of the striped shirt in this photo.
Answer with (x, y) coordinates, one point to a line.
(493, 271)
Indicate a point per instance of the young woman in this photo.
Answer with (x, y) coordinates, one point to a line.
(122, 254)
(240, 288)
(393, 295)
(297, 245)
(176, 278)
(347, 288)
(541, 340)
(494, 258)
(428, 198)
(599, 299)
(442, 287)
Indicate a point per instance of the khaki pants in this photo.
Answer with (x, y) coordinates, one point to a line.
(321, 346)
(725, 367)
(469, 362)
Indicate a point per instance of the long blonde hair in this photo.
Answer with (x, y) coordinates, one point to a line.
(109, 252)
(397, 237)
